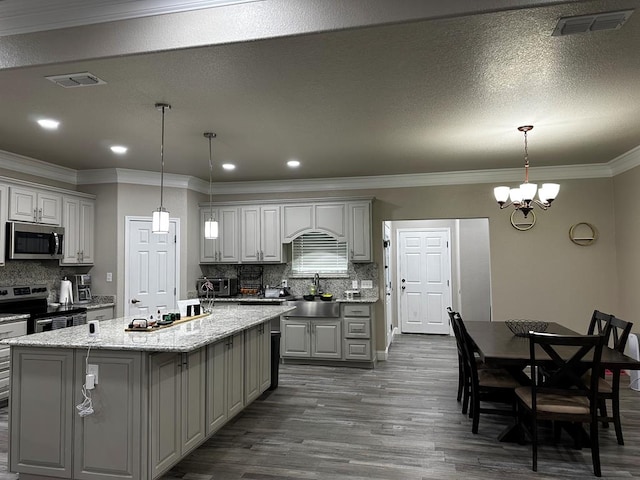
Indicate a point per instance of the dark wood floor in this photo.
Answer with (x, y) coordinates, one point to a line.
(399, 421)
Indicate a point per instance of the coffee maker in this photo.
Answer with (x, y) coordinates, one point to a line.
(81, 288)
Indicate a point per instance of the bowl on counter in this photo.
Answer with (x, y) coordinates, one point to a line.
(327, 297)
(309, 297)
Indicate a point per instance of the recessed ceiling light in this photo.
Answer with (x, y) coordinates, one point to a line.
(119, 149)
(293, 163)
(48, 123)
(228, 166)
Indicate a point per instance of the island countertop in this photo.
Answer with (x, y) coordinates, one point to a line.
(225, 320)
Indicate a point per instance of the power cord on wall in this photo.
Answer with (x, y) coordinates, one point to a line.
(86, 407)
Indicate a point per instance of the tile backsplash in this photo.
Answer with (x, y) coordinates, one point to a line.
(274, 274)
(47, 272)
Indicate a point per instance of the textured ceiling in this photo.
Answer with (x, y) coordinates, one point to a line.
(439, 95)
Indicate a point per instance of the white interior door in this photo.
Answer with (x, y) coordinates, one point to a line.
(425, 280)
(151, 268)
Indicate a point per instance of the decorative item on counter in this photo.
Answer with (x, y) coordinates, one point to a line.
(327, 297)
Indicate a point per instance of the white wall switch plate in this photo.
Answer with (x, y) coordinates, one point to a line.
(366, 284)
(109, 277)
(354, 284)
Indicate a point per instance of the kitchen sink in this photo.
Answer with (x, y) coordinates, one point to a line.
(315, 308)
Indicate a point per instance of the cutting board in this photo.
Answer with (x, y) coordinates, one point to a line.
(155, 328)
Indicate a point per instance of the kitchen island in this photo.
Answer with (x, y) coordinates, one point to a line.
(158, 394)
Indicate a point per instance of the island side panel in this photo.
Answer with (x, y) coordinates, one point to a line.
(108, 443)
(41, 411)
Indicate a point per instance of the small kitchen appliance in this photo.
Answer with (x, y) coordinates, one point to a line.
(32, 300)
(81, 288)
(217, 287)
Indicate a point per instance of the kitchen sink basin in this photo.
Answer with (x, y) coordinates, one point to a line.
(315, 308)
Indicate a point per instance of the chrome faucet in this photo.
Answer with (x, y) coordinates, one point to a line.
(316, 282)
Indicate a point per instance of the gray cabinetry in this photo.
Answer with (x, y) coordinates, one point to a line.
(78, 221)
(41, 384)
(260, 234)
(317, 338)
(3, 221)
(177, 406)
(226, 248)
(318, 216)
(359, 231)
(114, 448)
(225, 381)
(257, 361)
(357, 332)
(8, 330)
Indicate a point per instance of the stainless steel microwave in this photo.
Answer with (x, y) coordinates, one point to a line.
(219, 287)
(32, 241)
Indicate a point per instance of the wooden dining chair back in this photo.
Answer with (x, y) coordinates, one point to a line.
(463, 374)
(599, 323)
(617, 336)
(495, 385)
(564, 393)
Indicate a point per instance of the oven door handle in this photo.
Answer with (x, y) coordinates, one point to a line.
(45, 321)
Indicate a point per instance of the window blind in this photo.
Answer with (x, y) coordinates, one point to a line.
(317, 252)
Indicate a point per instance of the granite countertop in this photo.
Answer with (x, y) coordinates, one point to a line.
(225, 320)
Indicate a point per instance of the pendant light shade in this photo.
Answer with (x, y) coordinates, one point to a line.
(211, 225)
(160, 218)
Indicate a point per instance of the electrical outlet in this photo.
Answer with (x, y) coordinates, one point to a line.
(93, 370)
(109, 277)
(285, 282)
(366, 283)
(354, 284)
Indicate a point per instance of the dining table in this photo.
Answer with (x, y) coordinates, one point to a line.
(498, 346)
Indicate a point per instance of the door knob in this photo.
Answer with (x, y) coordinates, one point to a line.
(135, 300)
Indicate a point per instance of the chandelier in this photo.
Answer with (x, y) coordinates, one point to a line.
(160, 218)
(211, 225)
(523, 197)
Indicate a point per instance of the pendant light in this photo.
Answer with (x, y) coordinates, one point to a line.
(211, 225)
(160, 218)
(523, 197)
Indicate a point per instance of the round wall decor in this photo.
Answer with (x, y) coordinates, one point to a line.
(583, 234)
(522, 223)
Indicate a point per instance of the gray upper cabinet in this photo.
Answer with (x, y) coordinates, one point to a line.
(4, 208)
(328, 217)
(226, 248)
(260, 234)
(359, 231)
(35, 206)
(78, 220)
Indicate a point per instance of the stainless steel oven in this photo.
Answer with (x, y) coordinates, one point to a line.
(30, 241)
(32, 300)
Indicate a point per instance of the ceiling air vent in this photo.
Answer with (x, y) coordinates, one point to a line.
(591, 23)
(70, 80)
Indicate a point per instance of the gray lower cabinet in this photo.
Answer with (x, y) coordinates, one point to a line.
(257, 361)
(108, 442)
(357, 332)
(42, 412)
(304, 338)
(225, 390)
(177, 412)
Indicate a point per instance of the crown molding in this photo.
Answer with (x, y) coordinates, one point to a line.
(38, 168)
(23, 17)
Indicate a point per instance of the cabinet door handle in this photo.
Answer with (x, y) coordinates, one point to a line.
(35, 214)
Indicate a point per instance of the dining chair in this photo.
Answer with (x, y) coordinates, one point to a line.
(495, 385)
(463, 374)
(617, 335)
(562, 395)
